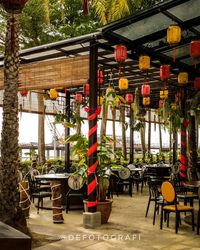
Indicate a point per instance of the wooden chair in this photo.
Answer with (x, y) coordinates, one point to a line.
(169, 195)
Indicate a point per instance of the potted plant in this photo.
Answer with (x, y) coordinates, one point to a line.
(106, 161)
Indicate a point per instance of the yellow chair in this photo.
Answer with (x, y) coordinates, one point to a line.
(169, 195)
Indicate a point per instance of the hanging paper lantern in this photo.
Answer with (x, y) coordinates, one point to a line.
(197, 83)
(24, 93)
(183, 78)
(164, 94)
(195, 49)
(129, 98)
(100, 76)
(78, 98)
(161, 103)
(86, 89)
(174, 106)
(13, 6)
(146, 101)
(145, 90)
(123, 83)
(53, 94)
(100, 100)
(164, 72)
(120, 53)
(173, 34)
(144, 63)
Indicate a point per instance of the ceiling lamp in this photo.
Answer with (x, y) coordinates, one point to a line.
(164, 94)
(78, 98)
(100, 76)
(146, 101)
(145, 90)
(53, 94)
(144, 63)
(86, 89)
(123, 83)
(183, 78)
(164, 72)
(120, 53)
(129, 98)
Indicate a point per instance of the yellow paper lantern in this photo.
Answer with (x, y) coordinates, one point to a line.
(174, 106)
(164, 94)
(173, 34)
(123, 83)
(53, 94)
(100, 100)
(146, 101)
(144, 63)
(183, 78)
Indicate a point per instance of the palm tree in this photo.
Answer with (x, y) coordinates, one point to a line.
(10, 212)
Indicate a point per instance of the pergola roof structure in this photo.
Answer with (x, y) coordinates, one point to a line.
(65, 64)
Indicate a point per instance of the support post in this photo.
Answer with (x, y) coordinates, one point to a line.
(92, 218)
(131, 137)
(67, 131)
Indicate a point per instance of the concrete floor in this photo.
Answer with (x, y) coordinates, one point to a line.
(127, 229)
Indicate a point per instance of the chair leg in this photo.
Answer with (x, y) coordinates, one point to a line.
(154, 214)
(198, 221)
(38, 205)
(148, 206)
(130, 189)
(167, 214)
(161, 219)
(176, 222)
(193, 221)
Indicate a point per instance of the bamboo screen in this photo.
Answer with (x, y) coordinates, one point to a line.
(57, 73)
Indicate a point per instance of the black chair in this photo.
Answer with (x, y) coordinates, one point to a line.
(76, 194)
(36, 192)
(154, 196)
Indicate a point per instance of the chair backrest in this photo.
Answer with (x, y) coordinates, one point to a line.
(75, 182)
(124, 173)
(168, 191)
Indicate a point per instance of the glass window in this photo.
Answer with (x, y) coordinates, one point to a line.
(186, 11)
(145, 27)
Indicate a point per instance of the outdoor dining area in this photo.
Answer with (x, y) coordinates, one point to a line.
(138, 76)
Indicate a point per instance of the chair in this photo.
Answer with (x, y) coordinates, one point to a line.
(169, 195)
(37, 192)
(77, 190)
(124, 180)
(154, 196)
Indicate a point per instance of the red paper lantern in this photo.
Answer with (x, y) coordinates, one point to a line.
(78, 98)
(195, 49)
(100, 76)
(24, 93)
(120, 53)
(164, 72)
(86, 89)
(145, 90)
(197, 83)
(129, 98)
(13, 6)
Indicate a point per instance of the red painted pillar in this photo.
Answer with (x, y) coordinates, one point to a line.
(183, 156)
(92, 150)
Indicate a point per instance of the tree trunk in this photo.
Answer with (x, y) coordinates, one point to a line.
(10, 212)
(160, 134)
(41, 132)
(113, 128)
(149, 132)
(192, 145)
(123, 133)
(142, 135)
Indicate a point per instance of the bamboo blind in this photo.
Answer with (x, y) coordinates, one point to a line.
(57, 73)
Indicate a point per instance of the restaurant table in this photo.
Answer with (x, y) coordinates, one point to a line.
(59, 188)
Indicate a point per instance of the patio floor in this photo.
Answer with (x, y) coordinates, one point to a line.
(127, 229)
